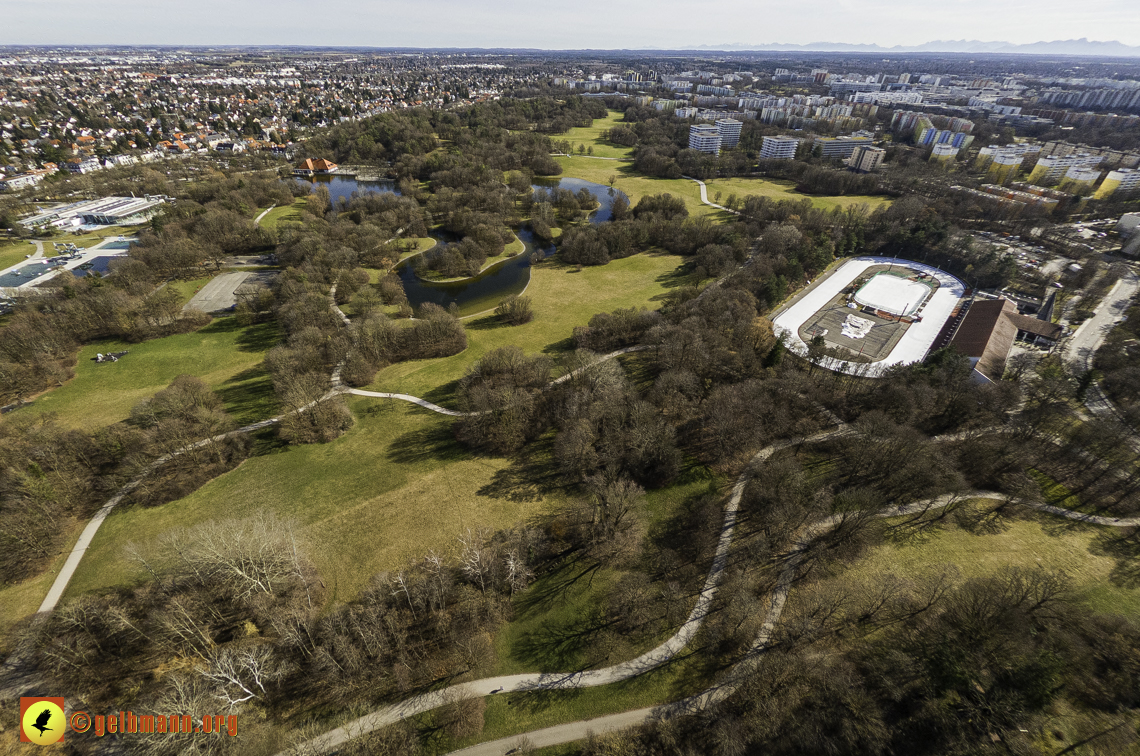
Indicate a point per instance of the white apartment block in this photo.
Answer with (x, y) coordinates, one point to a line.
(779, 148)
(1050, 170)
(866, 159)
(705, 138)
(888, 98)
(729, 130)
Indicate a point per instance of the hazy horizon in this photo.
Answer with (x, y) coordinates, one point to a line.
(665, 24)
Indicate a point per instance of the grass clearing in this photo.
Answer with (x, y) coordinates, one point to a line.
(286, 213)
(15, 252)
(562, 297)
(393, 487)
(187, 289)
(1041, 542)
(223, 354)
(591, 136)
(637, 185)
(786, 190)
(398, 483)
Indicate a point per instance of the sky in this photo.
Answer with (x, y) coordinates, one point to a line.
(599, 24)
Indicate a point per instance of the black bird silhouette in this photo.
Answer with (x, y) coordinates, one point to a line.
(42, 720)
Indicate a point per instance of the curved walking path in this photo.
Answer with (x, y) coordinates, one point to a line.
(59, 585)
(705, 196)
(456, 413)
(572, 731)
(257, 220)
(670, 648)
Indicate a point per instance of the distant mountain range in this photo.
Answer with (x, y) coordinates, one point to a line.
(1080, 46)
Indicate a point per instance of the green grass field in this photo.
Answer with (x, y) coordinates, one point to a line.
(399, 472)
(636, 185)
(562, 298)
(1041, 542)
(14, 252)
(285, 213)
(785, 190)
(591, 136)
(223, 354)
(393, 487)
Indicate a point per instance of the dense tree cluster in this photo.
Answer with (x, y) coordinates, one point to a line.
(1119, 362)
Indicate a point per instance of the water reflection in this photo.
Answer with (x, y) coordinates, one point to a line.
(501, 280)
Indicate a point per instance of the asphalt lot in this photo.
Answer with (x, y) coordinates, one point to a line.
(218, 294)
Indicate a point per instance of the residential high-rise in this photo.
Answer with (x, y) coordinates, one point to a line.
(1079, 180)
(1120, 184)
(1050, 170)
(779, 148)
(705, 138)
(1003, 168)
(943, 153)
(729, 130)
(866, 158)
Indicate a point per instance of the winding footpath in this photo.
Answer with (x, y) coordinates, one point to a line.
(662, 654)
(705, 196)
(59, 585)
(650, 660)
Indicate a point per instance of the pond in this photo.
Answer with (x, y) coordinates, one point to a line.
(501, 280)
(342, 187)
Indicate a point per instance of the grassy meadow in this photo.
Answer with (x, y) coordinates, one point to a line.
(223, 354)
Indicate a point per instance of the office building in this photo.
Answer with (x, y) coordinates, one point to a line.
(866, 159)
(779, 148)
(705, 138)
(729, 130)
(1123, 183)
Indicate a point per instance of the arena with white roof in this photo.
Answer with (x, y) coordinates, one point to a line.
(884, 292)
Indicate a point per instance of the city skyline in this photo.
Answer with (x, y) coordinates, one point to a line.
(590, 25)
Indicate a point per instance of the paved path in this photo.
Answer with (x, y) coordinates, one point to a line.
(705, 196)
(1082, 345)
(455, 413)
(572, 731)
(257, 220)
(1084, 342)
(59, 585)
(525, 683)
(333, 305)
(219, 293)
